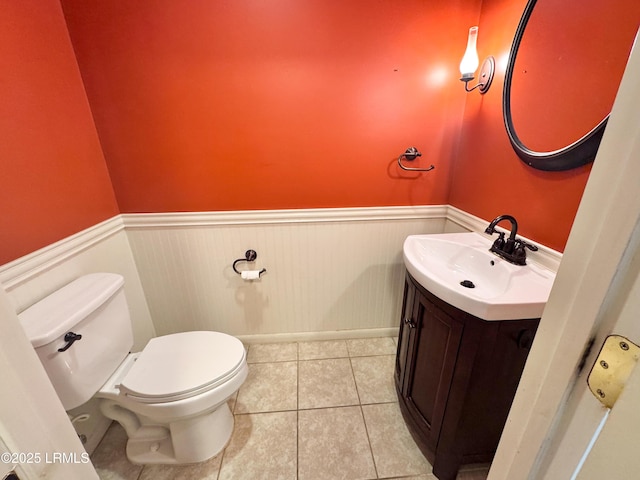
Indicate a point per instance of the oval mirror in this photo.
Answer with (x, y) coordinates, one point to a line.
(563, 73)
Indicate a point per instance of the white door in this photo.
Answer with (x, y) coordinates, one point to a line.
(615, 453)
(616, 447)
(584, 416)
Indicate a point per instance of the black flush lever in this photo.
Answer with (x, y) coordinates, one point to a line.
(69, 337)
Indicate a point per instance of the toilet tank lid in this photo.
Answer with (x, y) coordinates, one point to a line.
(60, 312)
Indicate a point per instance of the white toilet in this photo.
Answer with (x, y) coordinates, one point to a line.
(171, 398)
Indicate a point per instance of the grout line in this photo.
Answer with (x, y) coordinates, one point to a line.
(224, 450)
(298, 412)
(272, 361)
(336, 406)
(353, 375)
(364, 422)
(265, 412)
(321, 359)
(366, 430)
(298, 377)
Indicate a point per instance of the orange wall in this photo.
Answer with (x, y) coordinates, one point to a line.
(256, 105)
(489, 179)
(53, 178)
(240, 104)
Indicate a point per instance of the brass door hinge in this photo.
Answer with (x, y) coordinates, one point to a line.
(612, 368)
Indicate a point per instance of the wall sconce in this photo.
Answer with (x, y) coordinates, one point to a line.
(470, 62)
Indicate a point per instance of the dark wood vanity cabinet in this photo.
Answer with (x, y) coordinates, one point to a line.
(456, 376)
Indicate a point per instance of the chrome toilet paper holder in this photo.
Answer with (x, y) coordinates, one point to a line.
(249, 256)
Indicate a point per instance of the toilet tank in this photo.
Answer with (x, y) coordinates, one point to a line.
(95, 307)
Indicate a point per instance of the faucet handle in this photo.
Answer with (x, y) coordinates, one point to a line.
(519, 250)
(530, 246)
(499, 242)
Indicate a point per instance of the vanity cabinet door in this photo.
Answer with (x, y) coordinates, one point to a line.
(406, 339)
(434, 355)
(456, 376)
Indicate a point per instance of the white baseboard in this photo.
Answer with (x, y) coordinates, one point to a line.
(319, 336)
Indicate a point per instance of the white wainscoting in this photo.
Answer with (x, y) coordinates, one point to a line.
(330, 272)
(101, 248)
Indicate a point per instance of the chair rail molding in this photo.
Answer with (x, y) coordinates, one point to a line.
(260, 217)
(23, 269)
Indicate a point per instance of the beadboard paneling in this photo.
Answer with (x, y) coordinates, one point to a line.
(101, 248)
(327, 269)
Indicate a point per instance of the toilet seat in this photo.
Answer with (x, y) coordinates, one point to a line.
(182, 365)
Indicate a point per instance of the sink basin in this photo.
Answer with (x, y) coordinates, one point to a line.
(495, 289)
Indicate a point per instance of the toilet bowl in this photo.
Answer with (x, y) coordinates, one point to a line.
(171, 398)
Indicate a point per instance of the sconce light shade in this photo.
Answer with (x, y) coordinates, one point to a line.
(469, 65)
(470, 61)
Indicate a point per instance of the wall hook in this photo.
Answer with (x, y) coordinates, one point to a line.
(411, 154)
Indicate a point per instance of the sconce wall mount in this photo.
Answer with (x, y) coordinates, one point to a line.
(469, 65)
(486, 76)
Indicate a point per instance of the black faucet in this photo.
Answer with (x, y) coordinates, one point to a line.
(512, 249)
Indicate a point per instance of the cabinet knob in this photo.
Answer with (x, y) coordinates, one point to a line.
(410, 322)
(525, 339)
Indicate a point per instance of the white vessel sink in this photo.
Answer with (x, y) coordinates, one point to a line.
(501, 290)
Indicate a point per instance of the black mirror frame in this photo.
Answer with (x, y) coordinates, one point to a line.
(574, 155)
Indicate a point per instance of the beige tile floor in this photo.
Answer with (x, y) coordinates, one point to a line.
(308, 411)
